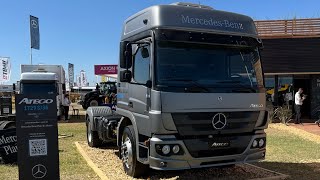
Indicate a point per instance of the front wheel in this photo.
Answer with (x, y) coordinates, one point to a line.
(131, 165)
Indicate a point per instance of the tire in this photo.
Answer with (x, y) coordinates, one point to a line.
(92, 137)
(92, 102)
(128, 154)
(7, 125)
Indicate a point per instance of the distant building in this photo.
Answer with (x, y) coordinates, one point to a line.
(291, 56)
(83, 90)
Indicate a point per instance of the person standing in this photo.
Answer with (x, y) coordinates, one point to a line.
(66, 104)
(97, 87)
(298, 100)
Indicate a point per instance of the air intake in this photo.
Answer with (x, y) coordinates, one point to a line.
(192, 5)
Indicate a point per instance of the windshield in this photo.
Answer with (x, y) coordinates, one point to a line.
(223, 69)
(38, 88)
(107, 87)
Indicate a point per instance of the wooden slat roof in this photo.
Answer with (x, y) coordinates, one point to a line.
(294, 28)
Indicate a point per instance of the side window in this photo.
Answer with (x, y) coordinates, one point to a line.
(141, 67)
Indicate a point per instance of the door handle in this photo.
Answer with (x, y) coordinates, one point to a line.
(130, 104)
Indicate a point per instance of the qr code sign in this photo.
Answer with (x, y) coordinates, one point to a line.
(38, 147)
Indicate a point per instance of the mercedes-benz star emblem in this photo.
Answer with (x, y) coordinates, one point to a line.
(39, 171)
(219, 121)
(220, 98)
(34, 23)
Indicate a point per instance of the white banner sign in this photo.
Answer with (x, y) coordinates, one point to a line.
(5, 69)
(71, 74)
(83, 78)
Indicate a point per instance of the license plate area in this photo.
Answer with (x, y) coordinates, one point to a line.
(217, 143)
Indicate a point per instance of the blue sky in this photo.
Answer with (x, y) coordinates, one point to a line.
(87, 32)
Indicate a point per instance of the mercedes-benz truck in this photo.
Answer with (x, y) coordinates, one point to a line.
(44, 78)
(190, 91)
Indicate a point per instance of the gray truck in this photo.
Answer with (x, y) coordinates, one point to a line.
(190, 91)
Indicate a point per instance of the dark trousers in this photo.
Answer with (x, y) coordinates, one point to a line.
(298, 113)
(66, 112)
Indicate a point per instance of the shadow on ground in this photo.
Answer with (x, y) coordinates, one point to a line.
(299, 171)
(74, 119)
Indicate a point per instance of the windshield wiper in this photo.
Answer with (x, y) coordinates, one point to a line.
(195, 83)
(246, 67)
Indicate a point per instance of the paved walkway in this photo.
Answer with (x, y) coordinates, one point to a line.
(309, 127)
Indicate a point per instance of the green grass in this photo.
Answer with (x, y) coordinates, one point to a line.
(72, 165)
(8, 172)
(292, 155)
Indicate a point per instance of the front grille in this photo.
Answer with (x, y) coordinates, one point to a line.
(200, 123)
(238, 131)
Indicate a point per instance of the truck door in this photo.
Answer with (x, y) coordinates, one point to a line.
(138, 92)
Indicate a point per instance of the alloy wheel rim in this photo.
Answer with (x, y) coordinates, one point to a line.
(126, 152)
(89, 134)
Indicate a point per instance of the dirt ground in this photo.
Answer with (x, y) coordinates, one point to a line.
(309, 127)
(107, 160)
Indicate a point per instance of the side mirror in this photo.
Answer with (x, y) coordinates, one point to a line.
(144, 52)
(125, 54)
(260, 44)
(149, 84)
(125, 76)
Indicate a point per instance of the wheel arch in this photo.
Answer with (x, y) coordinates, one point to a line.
(127, 119)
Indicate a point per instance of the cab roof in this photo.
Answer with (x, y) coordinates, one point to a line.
(189, 17)
(38, 76)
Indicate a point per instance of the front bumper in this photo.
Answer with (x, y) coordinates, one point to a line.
(186, 161)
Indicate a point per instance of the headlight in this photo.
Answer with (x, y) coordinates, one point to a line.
(166, 149)
(255, 143)
(175, 149)
(261, 142)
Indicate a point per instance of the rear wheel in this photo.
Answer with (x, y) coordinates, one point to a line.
(92, 102)
(92, 137)
(131, 165)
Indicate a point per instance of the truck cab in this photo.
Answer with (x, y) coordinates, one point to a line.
(190, 90)
(40, 82)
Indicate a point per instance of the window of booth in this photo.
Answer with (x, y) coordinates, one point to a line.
(285, 90)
